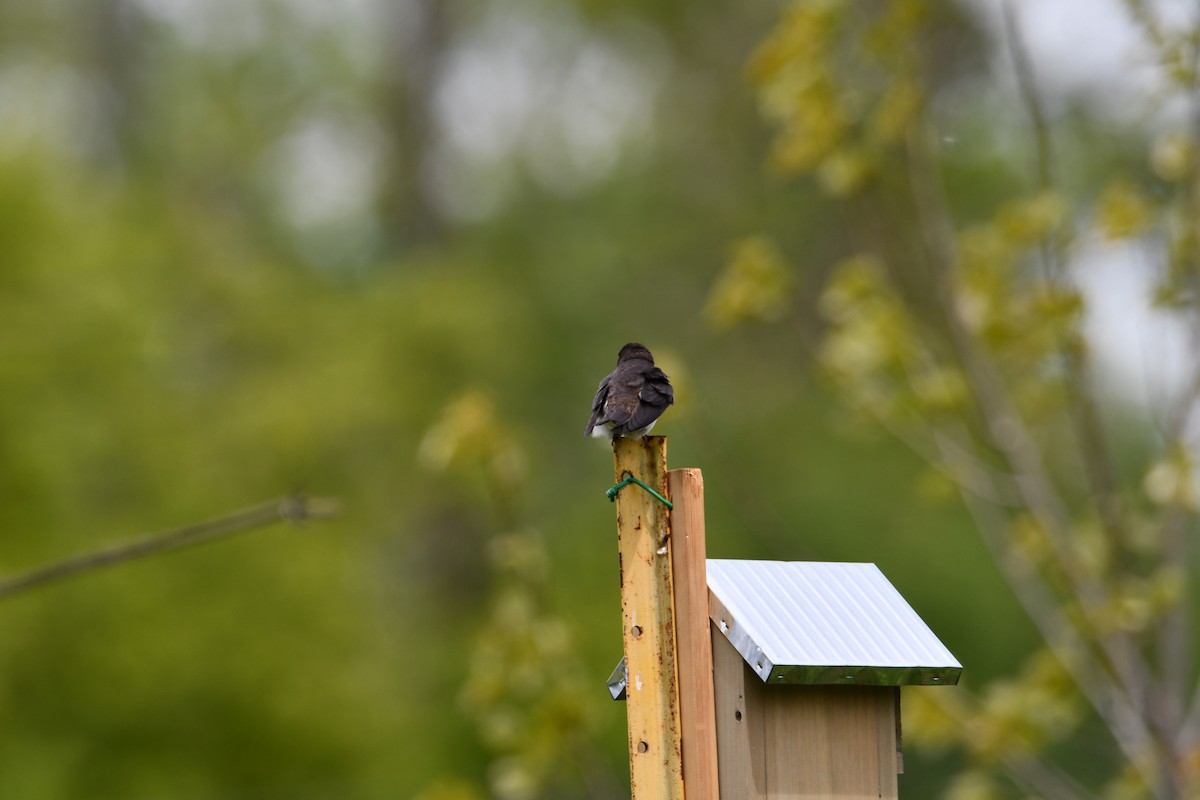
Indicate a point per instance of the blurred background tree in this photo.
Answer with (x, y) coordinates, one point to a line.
(956, 318)
(384, 251)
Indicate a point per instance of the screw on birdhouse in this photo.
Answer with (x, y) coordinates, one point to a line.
(642, 747)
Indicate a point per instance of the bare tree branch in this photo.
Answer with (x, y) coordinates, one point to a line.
(1094, 451)
(1110, 700)
(1040, 778)
(1117, 693)
(293, 509)
(1144, 16)
(1030, 96)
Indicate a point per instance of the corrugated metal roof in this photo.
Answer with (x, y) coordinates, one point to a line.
(824, 623)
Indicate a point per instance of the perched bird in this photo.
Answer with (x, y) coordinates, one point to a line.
(631, 397)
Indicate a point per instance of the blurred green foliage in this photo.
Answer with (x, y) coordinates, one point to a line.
(964, 336)
(248, 248)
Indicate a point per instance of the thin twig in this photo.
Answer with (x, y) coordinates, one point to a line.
(1190, 728)
(1097, 461)
(1175, 707)
(293, 509)
(1144, 16)
(1119, 714)
(1041, 778)
(1035, 775)
(1030, 96)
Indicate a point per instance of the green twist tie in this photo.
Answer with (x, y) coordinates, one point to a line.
(612, 493)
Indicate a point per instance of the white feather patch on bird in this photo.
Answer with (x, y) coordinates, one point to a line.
(605, 431)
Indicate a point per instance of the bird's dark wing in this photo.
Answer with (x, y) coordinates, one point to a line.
(620, 408)
(655, 395)
(657, 390)
(597, 406)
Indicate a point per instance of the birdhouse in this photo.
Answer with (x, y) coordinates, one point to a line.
(754, 680)
(808, 659)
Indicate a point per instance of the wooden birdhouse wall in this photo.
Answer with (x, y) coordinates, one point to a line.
(810, 742)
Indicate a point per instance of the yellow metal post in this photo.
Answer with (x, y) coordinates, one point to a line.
(648, 621)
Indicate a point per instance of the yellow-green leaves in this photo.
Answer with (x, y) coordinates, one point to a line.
(1010, 718)
(1172, 480)
(1021, 714)
(873, 349)
(974, 785)
(1029, 540)
(1122, 212)
(804, 28)
(452, 789)
(897, 108)
(798, 86)
(1026, 222)
(845, 170)
(523, 691)
(870, 332)
(1127, 785)
(1003, 294)
(754, 286)
(840, 83)
(469, 435)
(1173, 157)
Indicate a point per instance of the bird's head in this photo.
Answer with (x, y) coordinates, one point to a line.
(633, 350)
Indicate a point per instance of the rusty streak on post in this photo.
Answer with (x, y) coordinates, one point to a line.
(647, 621)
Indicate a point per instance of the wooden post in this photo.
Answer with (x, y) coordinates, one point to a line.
(647, 621)
(693, 639)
